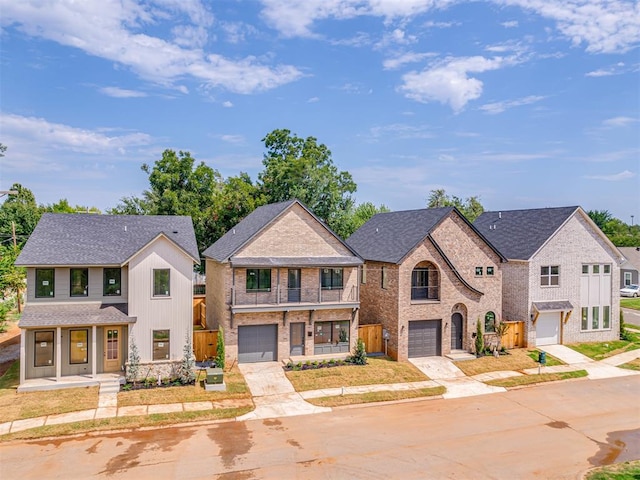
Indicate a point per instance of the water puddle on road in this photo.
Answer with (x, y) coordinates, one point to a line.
(620, 446)
(233, 440)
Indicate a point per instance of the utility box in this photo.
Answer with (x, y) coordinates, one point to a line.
(214, 376)
(542, 358)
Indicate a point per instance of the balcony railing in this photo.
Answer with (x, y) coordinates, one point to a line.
(283, 295)
(425, 293)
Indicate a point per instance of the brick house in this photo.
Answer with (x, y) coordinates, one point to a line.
(280, 284)
(562, 275)
(630, 268)
(429, 275)
(95, 283)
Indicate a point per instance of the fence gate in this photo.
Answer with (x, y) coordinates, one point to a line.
(204, 344)
(515, 335)
(371, 335)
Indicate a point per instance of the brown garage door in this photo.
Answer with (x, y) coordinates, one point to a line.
(425, 338)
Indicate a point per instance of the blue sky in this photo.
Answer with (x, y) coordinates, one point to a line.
(524, 103)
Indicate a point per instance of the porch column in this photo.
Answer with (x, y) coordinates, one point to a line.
(23, 356)
(58, 353)
(94, 353)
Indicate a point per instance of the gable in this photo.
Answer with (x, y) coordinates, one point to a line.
(295, 233)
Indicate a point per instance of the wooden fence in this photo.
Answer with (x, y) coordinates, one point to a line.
(515, 335)
(199, 311)
(371, 335)
(204, 344)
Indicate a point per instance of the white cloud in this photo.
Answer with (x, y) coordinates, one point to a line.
(409, 57)
(510, 24)
(112, 30)
(615, 177)
(227, 104)
(616, 69)
(401, 131)
(619, 122)
(233, 139)
(313, 100)
(397, 36)
(117, 92)
(499, 107)
(514, 157)
(448, 81)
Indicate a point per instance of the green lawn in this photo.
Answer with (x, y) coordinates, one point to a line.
(617, 471)
(517, 360)
(633, 303)
(533, 379)
(372, 397)
(601, 350)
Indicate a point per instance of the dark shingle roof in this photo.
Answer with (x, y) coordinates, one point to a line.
(389, 237)
(235, 238)
(89, 239)
(519, 234)
(49, 315)
(632, 258)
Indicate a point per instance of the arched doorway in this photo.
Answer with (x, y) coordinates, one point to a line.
(456, 331)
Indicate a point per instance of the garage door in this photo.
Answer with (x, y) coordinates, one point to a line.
(257, 343)
(425, 338)
(547, 329)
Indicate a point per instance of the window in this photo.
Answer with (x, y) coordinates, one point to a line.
(489, 271)
(606, 269)
(585, 269)
(331, 332)
(111, 279)
(258, 280)
(490, 322)
(596, 269)
(550, 276)
(43, 348)
(161, 344)
(606, 317)
(585, 318)
(78, 344)
(45, 282)
(384, 277)
(424, 282)
(363, 279)
(595, 318)
(627, 279)
(331, 278)
(79, 282)
(161, 282)
(478, 271)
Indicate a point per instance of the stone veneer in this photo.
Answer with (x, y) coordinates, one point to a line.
(162, 368)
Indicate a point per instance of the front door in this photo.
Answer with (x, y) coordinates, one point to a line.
(456, 331)
(297, 339)
(112, 349)
(293, 285)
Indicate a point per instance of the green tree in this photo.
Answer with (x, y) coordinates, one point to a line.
(63, 206)
(600, 217)
(471, 207)
(220, 350)
(301, 168)
(12, 278)
(361, 215)
(178, 186)
(20, 210)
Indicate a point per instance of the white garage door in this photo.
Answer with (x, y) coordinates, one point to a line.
(548, 329)
(257, 343)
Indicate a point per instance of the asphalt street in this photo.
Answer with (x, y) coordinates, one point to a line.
(549, 431)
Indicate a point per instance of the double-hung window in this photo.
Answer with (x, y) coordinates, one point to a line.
(161, 282)
(550, 276)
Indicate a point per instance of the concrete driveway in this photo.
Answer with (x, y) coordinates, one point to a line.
(444, 372)
(273, 394)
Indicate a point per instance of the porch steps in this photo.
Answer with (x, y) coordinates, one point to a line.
(459, 355)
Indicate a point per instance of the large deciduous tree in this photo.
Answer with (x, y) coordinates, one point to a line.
(471, 207)
(12, 278)
(20, 210)
(301, 168)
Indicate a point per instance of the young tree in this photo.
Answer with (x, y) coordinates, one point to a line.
(12, 278)
(479, 340)
(220, 353)
(303, 169)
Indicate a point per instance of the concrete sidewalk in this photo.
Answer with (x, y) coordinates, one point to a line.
(274, 396)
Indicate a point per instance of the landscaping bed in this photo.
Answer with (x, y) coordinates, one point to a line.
(517, 360)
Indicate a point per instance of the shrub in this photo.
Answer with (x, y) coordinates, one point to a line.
(624, 333)
(133, 369)
(220, 354)
(359, 356)
(479, 339)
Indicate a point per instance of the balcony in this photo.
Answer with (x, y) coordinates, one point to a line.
(425, 293)
(282, 298)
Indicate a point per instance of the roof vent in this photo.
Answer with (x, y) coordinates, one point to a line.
(499, 214)
(376, 229)
(233, 231)
(125, 228)
(175, 231)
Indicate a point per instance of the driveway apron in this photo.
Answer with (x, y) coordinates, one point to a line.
(595, 370)
(273, 394)
(443, 371)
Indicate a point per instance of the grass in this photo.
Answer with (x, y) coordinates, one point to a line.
(517, 360)
(18, 406)
(601, 350)
(533, 379)
(155, 420)
(372, 397)
(236, 389)
(632, 365)
(633, 303)
(377, 371)
(617, 471)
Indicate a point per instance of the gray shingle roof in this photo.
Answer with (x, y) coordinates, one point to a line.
(389, 237)
(519, 234)
(90, 239)
(51, 315)
(632, 258)
(559, 305)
